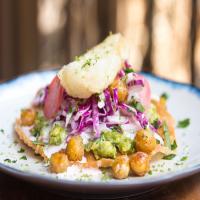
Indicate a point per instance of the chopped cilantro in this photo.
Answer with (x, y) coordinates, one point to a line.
(183, 123)
(137, 105)
(156, 123)
(128, 70)
(169, 157)
(117, 128)
(7, 160)
(10, 161)
(21, 150)
(87, 63)
(150, 172)
(174, 145)
(23, 158)
(70, 109)
(40, 122)
(178, 164)
(1, 130)
(184, 158)
(164, 96)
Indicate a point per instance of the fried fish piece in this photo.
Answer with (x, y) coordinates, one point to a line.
(95, 70)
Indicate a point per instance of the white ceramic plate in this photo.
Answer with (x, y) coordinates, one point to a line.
(184, 102)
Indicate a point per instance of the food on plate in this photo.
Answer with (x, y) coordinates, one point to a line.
(97, 112)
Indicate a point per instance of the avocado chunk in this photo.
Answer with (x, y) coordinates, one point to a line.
(39, 124)
(106, 146)
(101, 149)
(124, 144)
(57, 135)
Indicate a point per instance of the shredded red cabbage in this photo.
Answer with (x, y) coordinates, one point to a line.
(108, 102)
(80, 115)
(115, 98)
(95, 117)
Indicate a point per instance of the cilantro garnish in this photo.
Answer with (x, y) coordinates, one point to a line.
(137, 105)
(21, 150)
(7, 160)
(184, 158)
(87, 63)
(23, 158)
(1, 130)
(10, 161)
(174, 145)
(156, 123)
(40, 122)
(169, 157)
(183, 123)
(117, 128)
(70, 109)
(150, 172)
(164, 96)
(128, 70)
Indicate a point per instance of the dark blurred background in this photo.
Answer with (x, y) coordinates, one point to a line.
(38, 34)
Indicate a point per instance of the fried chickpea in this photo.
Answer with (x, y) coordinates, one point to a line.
(145, 141)
(121, 88)
(28, 117)
(139, 163)
(120, 167)
(59, 162)
(75, 148)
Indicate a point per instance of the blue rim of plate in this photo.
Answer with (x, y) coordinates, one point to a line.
(157, 180)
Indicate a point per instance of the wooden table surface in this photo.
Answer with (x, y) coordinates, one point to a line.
(11, 188)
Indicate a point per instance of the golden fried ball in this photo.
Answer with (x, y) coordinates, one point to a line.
(120, 167)
(75, 148)
(59, 162)
(139, 163)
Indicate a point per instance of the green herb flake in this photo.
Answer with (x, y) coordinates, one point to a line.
(21, 150)
(87, 63)
(184, 158)
(150, 172)
(156, 123)
(164, 96)
(70, 109)
(2, 130)
(174, 145)
(7, 160)
(157, 141)
(23, 158)
(128, 70)
(169, 157)
(137, 105)
(183, 123)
